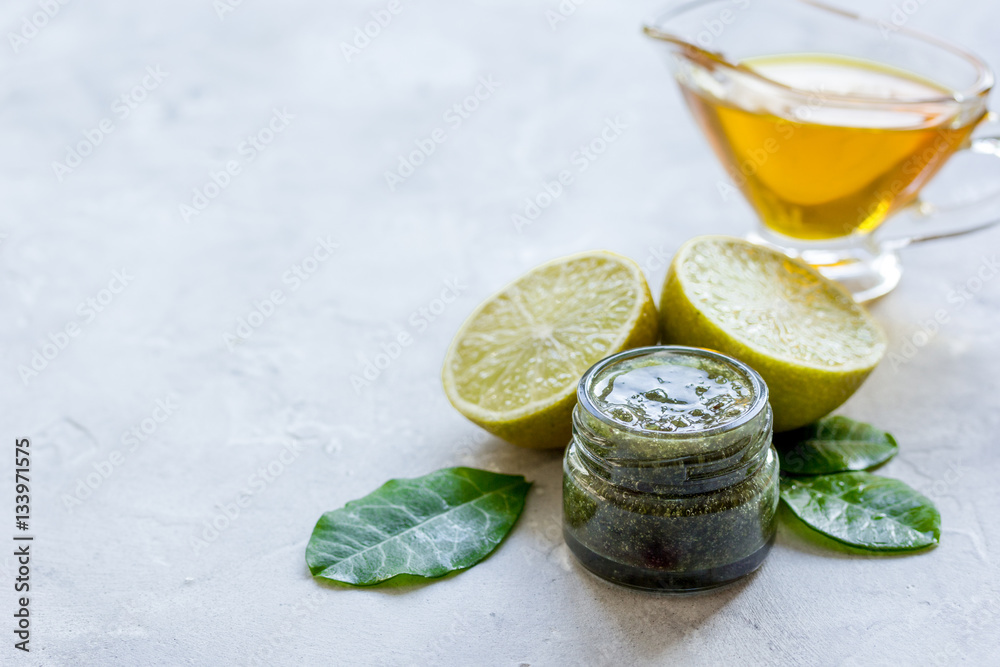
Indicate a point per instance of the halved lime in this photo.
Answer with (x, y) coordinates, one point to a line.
(809, 340)
(514, 365)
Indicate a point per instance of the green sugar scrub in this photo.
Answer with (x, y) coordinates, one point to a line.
(670, 481)
(687, 395)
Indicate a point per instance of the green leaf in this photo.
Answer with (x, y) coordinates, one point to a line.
(864, 510)
(427, 526)
(833, 444)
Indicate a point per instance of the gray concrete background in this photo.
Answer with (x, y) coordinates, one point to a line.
(120, 576)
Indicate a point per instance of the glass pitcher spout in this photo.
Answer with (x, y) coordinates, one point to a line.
(828, 123)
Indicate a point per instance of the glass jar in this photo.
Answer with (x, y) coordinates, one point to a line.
(670, 481)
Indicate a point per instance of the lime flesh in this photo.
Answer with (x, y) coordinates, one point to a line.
(514, 365)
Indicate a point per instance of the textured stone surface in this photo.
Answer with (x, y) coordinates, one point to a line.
(118, 578)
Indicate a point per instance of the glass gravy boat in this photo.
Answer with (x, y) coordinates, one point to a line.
(829, 124)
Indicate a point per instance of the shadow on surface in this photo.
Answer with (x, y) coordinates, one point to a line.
(654, 621)
(399, 584)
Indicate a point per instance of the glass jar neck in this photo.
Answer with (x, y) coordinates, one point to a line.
(672, 464)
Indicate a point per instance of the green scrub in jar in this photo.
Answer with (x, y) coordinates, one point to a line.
(670, 480)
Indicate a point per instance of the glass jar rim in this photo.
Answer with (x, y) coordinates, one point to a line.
(760, 401)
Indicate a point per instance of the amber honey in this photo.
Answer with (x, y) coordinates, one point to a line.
(822, 169)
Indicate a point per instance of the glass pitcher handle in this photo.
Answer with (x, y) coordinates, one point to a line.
(929, 221)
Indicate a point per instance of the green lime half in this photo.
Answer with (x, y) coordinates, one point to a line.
(809, 340)
(514, 365)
